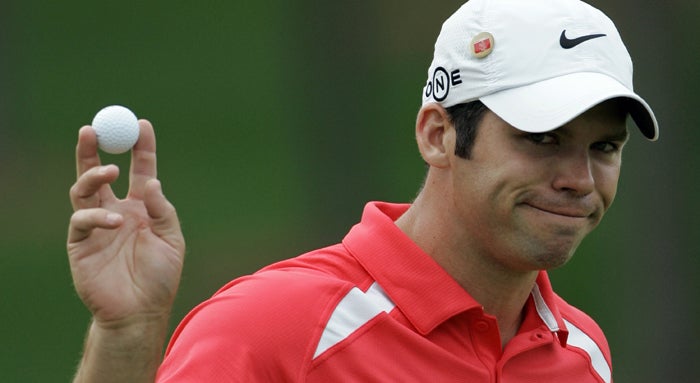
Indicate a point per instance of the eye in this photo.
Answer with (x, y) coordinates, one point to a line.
(606, 147)
(542, 138)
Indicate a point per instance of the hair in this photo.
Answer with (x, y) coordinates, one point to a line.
(466, 118)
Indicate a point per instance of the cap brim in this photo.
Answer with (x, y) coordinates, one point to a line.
(549, 104)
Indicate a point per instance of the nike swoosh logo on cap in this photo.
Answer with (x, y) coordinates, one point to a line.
(568, 43)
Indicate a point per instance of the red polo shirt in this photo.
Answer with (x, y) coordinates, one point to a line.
(376, 308)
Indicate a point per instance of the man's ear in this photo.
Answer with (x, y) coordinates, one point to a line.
(435, 135)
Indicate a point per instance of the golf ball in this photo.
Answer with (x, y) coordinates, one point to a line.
(117, 129)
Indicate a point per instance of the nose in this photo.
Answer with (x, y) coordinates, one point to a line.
(574, 174)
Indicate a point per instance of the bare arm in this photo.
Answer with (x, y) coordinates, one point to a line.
(126, 258)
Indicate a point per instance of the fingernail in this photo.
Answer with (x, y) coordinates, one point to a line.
(113, 218)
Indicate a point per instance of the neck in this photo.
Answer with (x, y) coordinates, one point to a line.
(502, 292)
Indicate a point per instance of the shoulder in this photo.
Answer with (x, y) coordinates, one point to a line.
(298, 292)
(586, 337)
(581, 321)
(300, 287)
(267, 323)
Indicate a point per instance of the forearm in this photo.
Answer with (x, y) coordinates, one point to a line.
(130, 353)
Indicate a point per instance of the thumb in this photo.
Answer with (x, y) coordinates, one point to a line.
(164, 221)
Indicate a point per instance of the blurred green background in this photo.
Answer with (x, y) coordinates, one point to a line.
(277, 121)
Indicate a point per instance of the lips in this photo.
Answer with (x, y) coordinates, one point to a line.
(570, 210)
(565, 212)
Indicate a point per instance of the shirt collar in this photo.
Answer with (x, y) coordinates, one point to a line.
(420, 288)
(544, 298)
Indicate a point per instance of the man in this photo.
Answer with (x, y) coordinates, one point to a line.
(522, 128)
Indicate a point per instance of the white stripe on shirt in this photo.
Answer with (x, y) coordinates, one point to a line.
(580, 339)
(352, 312)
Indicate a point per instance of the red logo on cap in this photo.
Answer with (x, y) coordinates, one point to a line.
(482, 45)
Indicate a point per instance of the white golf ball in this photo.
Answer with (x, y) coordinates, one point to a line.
(117, 129)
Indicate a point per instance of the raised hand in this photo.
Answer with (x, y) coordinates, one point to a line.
(125, 255)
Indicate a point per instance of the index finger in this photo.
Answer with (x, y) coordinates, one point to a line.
(143, 160)
(86, 156)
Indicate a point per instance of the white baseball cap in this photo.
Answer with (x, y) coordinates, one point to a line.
(537, 64)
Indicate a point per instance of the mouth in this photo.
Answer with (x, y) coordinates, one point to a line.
(563, 211)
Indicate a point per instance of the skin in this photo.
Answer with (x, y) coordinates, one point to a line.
(522, 203)
(126, 258)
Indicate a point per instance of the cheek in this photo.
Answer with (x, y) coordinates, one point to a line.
(488, 194)
(607, 178)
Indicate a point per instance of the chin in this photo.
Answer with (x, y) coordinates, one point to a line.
(546, 255)
(552, 260)
(555, 248)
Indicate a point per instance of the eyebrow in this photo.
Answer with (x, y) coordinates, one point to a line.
(619, 136)
(622, 135)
